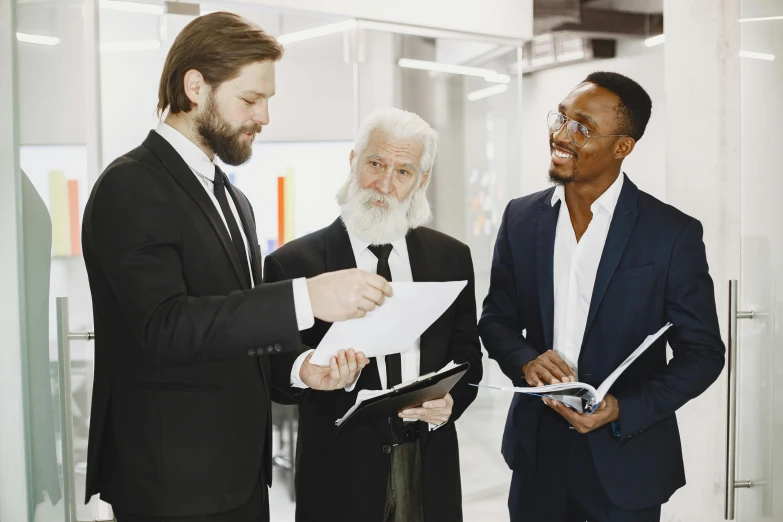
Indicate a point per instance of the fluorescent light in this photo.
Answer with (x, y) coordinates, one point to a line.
(498, 78)
(489, 91)
(761, 19)
(757, 56)
(132, 7)
(488, 74)
(315, 32)
(655, 40)
(37, 39)
(133, 45)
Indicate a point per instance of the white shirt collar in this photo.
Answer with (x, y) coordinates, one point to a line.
(399, 246)
(608, 200)
(196, 159)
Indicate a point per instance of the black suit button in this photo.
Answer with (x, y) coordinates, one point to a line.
(270, 349)
(387, 449)
(260, 350)
(251, 352)
(278, 347)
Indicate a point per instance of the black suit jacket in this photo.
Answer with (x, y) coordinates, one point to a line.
(653, 270)
(343, 477)
(180, 412)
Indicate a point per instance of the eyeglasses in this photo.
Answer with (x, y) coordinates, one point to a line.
(577, 133)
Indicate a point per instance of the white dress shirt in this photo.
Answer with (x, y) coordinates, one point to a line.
(400, 266)
(204, 170)
(575, 267)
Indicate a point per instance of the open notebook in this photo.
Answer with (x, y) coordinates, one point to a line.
(581, 396)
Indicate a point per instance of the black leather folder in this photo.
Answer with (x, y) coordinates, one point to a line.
(412, 395)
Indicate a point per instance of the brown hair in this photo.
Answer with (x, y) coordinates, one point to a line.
(217, 45)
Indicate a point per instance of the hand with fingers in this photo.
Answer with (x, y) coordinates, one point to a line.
(548, 368)
(342, 371)
(608, 411)
(435, 412)
(346, 294)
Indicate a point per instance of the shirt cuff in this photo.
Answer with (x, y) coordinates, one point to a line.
(434, 427)
(304, 309)
(296, 380)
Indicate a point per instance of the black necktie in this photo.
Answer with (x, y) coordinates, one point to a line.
(233, 228)
(393, 363)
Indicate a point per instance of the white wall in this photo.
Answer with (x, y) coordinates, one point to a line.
(542, 91)
(703, 179)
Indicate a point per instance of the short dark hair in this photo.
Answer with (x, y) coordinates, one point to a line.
(218, 45)
(635, 103)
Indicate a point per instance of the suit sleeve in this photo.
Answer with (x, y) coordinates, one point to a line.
(698, 351)
(134, 234)
(282, 391)
(501, 323)
(464, 345)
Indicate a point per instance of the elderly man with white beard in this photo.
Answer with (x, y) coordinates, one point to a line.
(404, 468)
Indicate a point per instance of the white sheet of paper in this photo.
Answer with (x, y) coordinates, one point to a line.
(395, 325)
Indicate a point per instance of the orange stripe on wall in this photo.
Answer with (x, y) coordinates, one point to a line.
(73, 214)
(280, 211)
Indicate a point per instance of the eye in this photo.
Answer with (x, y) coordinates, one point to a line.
(404, 172)
(248, 102)
(375, 164)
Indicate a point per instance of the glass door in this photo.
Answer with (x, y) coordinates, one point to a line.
(56, 83)
(758, 341)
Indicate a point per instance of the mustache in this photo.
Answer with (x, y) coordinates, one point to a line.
(552, 144)
(254, 128)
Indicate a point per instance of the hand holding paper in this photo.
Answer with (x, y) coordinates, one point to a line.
(393, 327)
(343, 370)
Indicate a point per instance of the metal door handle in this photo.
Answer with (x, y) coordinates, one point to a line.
(64, 337)
(731, 425)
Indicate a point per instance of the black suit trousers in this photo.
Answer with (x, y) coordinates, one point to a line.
(565, 486)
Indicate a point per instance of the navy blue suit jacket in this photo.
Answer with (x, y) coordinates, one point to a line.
(653, 270)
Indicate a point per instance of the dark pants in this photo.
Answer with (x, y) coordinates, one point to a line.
(565, 486)
(256, 509)
(404, 501)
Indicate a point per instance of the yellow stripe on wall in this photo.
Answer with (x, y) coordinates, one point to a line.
(61, 219)
(289, 205)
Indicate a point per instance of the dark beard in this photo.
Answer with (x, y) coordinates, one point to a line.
(223, 139)
(559, 179)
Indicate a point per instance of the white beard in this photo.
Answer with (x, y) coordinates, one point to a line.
(377, 225)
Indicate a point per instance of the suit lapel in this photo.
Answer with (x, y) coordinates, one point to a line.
(422, 270)
(249, 226)
(545, 254)
(619, 231)
(338, 249)
(180, 171)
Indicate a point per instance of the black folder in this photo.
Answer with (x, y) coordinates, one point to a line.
(410, 395)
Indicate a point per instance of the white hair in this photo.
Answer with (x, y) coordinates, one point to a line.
(400, 125)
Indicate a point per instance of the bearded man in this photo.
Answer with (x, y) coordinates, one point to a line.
(404, 468)
(180, 425)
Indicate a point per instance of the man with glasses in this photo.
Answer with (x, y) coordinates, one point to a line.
(581, 274)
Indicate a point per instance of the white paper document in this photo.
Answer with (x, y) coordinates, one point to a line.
(395, 325)
(581, 396)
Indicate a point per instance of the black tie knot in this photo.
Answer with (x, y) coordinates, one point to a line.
(218, 179)
(381, 251)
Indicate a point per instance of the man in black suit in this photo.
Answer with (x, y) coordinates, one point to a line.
(407, 468)
(180, 425)
(582, 274)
